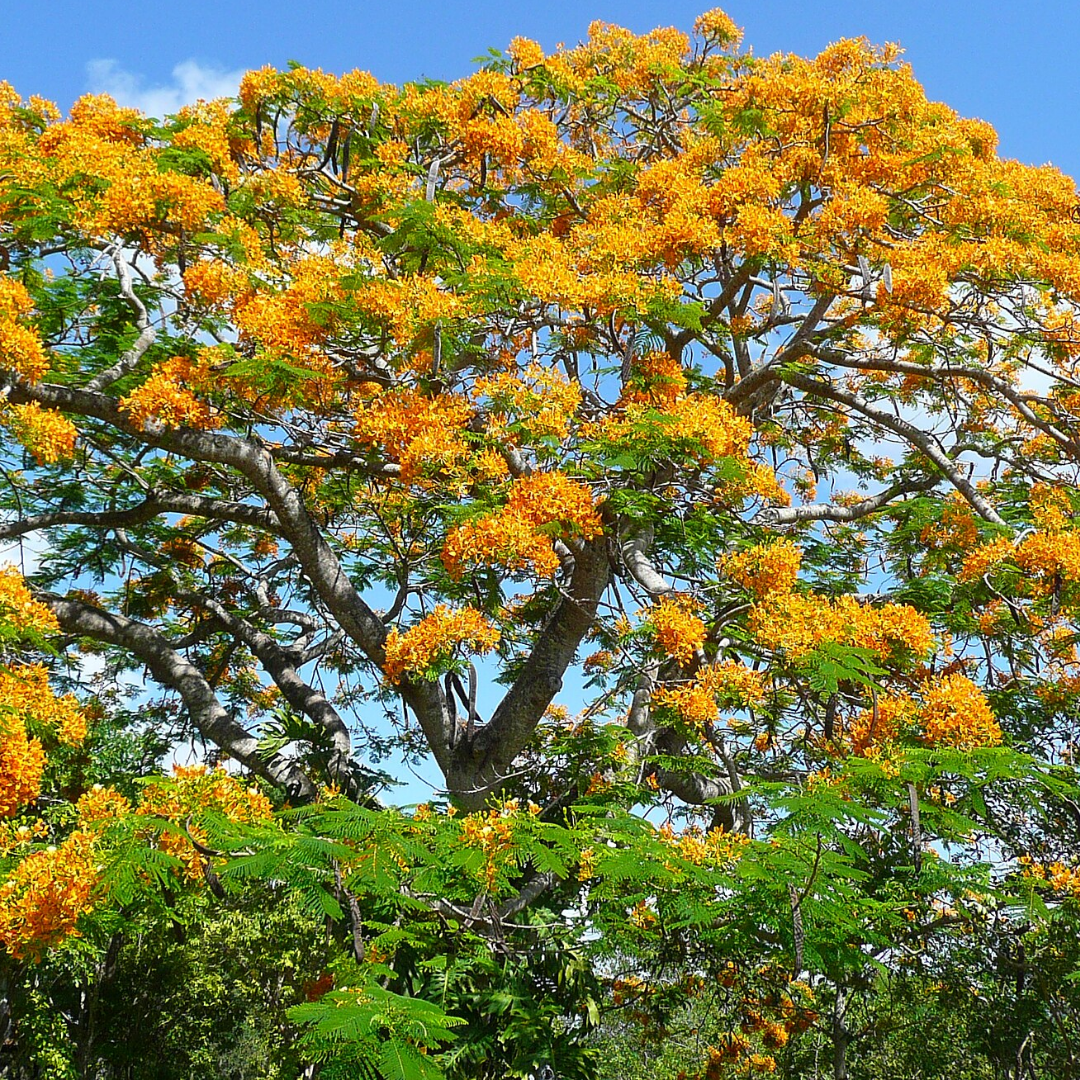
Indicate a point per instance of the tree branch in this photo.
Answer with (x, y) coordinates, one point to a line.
(320, 565)
(479, 765)
(154, 505)
(918, 439)
(775, 516)
(147, 334)
(173, 671)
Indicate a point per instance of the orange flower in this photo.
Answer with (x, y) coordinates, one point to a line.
(46, 433)
(492, 831)
(538, 398)
(20, 609)
(415, 430)
(166, 399)
(433, 641)
(193, 789)
(25, 691)
(985, 557)
(679, 632)
(949, 711)
(42, 898)
(21, 350)
(520, 534)
(22, 762)
(797, 624)
(955, 712)
(716, 25)
(765, 568)
(696, 702)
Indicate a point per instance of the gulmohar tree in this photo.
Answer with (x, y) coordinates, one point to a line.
(672, 449)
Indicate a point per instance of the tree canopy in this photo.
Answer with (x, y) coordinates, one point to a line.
(668, 452)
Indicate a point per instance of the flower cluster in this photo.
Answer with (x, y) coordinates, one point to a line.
(48, 890)
(21, 350)
(985, 558)
(1051, 508)
(796, 624)
(955, 529)
(765, 568)
(106, 175)
(656, 379)
(178, 800)
(425, 649)
(1058, 876)
(521, 533)
(48, 434)
(492, 832)
(419, 432)
(165, 398)
(704, 430)
(696, 702)
(716, 25)
(1047, 557)
(714, 848)
(43, 897)
(539, 399)
(19, 609)
(22, 762)
(955, 712)
(950, 710)
(679, 632)
(25, 690)
(27, 704)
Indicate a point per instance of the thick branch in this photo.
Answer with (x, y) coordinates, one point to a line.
(280, 664)
(634, 551)
(146, 337)
(154, 505)
(479, 765)
(173, 671)
(320, 564)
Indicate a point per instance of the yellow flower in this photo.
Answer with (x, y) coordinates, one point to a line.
(21, 350)
(716, 25)
(165, 398)
(520, 535)
(44, 895)
(797, 624)
(46, 433)
(955, 712)
(20, 609)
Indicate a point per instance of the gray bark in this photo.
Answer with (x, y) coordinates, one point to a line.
(172, 670)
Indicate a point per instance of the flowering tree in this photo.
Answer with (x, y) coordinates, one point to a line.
(644, 424)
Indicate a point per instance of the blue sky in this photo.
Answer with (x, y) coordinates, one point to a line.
(1011, 64)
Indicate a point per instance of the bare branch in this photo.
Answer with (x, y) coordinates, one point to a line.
(918, 439)
(147, 333)
(775, 516)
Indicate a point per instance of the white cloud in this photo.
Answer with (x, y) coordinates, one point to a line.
(191, 81)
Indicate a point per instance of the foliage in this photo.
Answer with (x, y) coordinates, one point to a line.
(667, 452)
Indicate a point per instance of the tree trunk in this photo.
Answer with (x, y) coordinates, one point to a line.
(841, 1038)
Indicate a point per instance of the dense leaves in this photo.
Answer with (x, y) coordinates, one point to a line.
(665, 454)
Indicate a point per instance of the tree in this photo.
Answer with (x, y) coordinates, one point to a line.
(368, 421)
